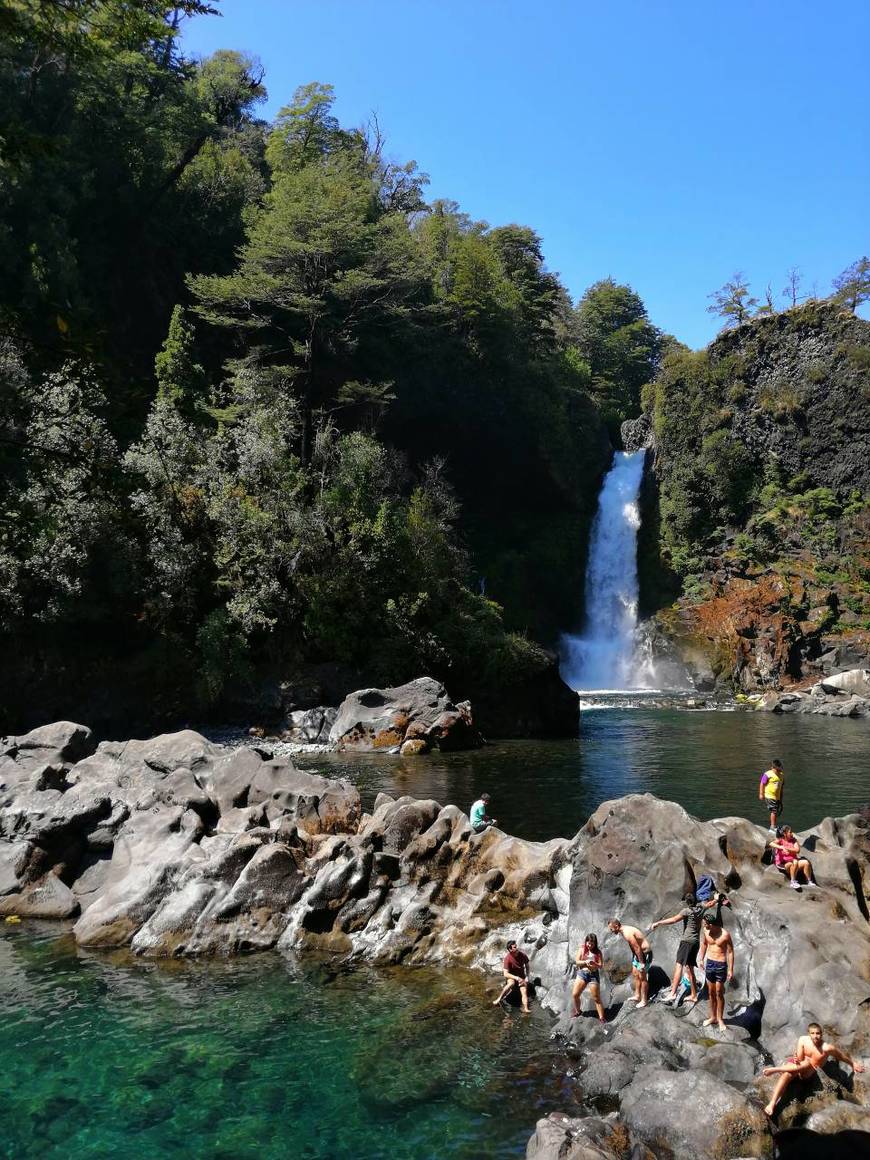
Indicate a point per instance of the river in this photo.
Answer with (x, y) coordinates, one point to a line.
(709, 762)
(103, 1055)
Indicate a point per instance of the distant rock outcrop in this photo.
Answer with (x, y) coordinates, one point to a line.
(420, 711)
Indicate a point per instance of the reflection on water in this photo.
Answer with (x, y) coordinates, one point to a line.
(710, 762)
(103, 1056)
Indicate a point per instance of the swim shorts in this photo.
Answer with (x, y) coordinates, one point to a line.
(716, 972)
(687, 952)
(772, 807)
(645, 965)
(587, 976)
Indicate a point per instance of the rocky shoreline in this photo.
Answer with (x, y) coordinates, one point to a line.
(175, 846)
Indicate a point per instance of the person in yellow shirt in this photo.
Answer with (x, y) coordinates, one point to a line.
(770, 791)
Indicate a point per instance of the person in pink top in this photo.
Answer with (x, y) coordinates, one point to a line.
(589, 963)
(786, 856)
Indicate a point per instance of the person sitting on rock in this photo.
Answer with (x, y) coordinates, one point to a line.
(811, 1053)
(515, 967)
(480, 820)
(641, 960)
(689, 945)
(589, 962)
(716, 959)
(770, 791)
(786, 857)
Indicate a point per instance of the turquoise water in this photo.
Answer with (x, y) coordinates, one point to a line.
(710, 762)
(102, 1056)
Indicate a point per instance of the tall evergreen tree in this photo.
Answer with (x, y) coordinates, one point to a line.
(621, 347)
(325, 262)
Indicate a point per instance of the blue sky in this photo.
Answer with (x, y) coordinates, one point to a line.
(665, 143)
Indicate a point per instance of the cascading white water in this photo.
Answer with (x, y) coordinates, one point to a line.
(604, 656)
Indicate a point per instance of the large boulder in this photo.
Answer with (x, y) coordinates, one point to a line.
(536, 704)
(561, 1137)
(420, 710)
(856, 681)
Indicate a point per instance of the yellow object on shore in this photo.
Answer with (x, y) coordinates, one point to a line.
(12, 918)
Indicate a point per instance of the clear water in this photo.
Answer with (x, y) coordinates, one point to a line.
(710, 762)
(101, 1056)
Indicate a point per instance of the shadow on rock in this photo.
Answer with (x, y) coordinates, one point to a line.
(802, 1144)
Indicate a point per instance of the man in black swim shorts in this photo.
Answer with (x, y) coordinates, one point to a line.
(716, 958)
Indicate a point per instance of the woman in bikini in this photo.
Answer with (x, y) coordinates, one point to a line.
(589, 963)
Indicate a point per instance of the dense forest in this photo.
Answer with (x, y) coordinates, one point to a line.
(263, 406)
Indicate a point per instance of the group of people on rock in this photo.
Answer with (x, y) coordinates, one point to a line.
(704, 943)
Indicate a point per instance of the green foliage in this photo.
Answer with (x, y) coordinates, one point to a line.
(852, 287)
(280, 485)
(180, 379)
(781, 399)
(733, 302)
(102, 122)
(620, 345)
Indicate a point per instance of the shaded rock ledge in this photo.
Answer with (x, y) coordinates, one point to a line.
(176, 846)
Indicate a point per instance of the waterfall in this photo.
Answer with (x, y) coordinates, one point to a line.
(605, 656)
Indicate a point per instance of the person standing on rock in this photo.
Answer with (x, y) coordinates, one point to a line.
(480, 820)
(641, 960)
(717, 962)
(589, 963)
(770, 791)
(811, 1053)
(689, 945)
(516, 972)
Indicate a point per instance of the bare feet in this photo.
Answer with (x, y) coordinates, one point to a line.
(691, 999)
(575, 1014)
(722, 1026)
(643, 1004)
(768, 1110)
(631, 999)
(708, 1022)
(601, 1019)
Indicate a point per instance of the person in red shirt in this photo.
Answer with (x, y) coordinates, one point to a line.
(516, 972)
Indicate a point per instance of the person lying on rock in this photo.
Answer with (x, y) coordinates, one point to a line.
(786, 857)
(811, 1053)
(641, 960)
(717, 962)
(589, 963)
(515, 967)
(480, 820)
(770, 791)
(689, 945)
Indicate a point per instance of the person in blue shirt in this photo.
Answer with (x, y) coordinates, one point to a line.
(480, 819)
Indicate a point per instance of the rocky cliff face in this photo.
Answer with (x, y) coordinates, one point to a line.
(761, 496)
(175, 846)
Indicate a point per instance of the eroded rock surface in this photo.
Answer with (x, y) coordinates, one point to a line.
(178, 846)
(419, 711)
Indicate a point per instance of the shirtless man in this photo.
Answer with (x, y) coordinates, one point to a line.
(641, 958)
(716, 960)
(811, 1053)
